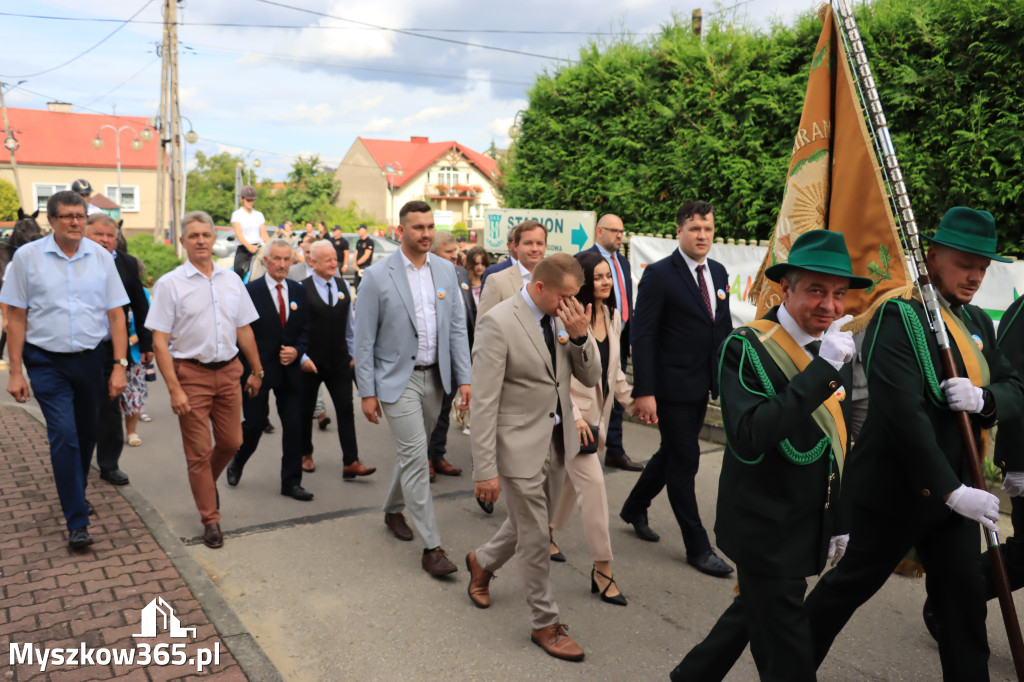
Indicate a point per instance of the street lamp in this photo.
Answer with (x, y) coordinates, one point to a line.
(390, 171)
(136, 146)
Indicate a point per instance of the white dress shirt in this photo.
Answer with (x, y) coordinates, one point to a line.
(794, 330)
(538, 315)
(272, 285)
(201, 314)
(421, 283)
(692, 265)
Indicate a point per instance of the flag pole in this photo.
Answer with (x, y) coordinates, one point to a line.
(904, 215)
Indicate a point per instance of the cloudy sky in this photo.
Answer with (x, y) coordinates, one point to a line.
(275, 78)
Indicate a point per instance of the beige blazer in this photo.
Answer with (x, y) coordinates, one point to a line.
(588, 403)
(515, 391)
(498, 287)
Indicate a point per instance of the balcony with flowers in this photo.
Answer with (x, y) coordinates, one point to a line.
(445, 191)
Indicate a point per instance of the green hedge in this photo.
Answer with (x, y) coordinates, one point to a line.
(158, 257)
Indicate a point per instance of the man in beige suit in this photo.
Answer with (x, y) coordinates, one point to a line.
(531, 242)
(520, 380)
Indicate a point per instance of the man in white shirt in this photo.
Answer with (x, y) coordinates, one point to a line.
(200, 318)
(250, 230)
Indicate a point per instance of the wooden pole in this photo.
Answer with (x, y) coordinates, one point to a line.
(14, 161)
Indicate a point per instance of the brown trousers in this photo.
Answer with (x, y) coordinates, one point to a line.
(215, 396)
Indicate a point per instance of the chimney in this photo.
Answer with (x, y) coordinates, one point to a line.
(59, 107)
(419, 140)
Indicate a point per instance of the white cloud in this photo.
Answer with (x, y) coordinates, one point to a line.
(317, 114)
(379, 125)
(436, 112)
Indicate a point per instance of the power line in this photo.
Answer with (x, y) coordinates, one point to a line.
(222, 24)
(126, 80)
(73, 59)
(414, 34)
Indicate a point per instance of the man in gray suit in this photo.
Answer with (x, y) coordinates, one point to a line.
(411, 346)
(521, 378)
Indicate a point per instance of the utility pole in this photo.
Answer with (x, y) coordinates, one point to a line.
(698, 22)
(161, 130)
(175, 129)
(11, 144)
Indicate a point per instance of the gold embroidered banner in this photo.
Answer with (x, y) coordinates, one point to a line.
(834, 183)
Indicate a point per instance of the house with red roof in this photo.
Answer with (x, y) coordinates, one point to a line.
(382, 175)
(55, 147)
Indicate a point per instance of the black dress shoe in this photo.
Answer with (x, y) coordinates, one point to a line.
(639, 523)
(297, 492)
(233, 474)
(710, 563)
(269, 428)
(89, 508)
(488, 507)
(324, 423)
(114, 476)
(79, 538)
(622, 462)
(931, 619)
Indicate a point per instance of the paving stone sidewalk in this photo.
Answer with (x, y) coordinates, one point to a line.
(55, 598)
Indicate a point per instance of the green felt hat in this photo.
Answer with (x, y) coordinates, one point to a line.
(819, 251)
(968, 230)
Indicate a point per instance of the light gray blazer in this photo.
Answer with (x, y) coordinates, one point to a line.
(386, 340)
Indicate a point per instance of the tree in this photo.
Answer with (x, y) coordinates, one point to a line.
(158, 258)
(211, 186)
(8, 201)
(310, 192)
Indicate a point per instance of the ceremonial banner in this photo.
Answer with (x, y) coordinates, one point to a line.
(834, 183)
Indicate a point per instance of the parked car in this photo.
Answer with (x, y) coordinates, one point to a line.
(226, 244)
(382, 248)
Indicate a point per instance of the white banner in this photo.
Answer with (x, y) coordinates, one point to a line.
(1002, 284)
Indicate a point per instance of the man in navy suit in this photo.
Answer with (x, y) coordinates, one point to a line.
(502, 265)
(682, 317)
(281, 333)
(607, 240)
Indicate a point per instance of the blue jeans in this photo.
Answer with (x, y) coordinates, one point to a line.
(68, 385)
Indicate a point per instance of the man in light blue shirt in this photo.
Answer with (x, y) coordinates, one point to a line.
(64, 295)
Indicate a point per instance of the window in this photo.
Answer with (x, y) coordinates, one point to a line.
(129, 197)
(44, 192)
(447, 175)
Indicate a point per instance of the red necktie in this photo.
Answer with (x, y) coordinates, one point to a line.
(281, 310)
(623, 304)
(704, 289)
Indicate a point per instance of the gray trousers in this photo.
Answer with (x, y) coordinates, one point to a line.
(525, 534)
(411, 419)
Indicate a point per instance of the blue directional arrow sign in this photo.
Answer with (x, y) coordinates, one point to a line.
(579, 237)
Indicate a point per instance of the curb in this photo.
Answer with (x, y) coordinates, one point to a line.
(239, 641)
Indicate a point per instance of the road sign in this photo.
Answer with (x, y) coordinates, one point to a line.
(568, 231)
(443, 220)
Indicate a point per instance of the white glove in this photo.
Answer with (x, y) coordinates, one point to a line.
(962, 395)
(1013, 483)
(837, 547)
(838, 347)
(977, 505)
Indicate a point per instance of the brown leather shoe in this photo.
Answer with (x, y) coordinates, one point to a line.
(356, 468)
(436, 563)
(307, 464)
(212, 536)
(398, 526)
(446, 468)
(430, 465)
(555, 640)
(479, 582)
(622, 462)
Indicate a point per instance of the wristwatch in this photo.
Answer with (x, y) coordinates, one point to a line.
(123, 362)
(258, 374)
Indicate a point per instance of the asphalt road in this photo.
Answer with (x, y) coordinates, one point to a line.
(329, 594)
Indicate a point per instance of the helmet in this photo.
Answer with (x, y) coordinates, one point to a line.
(248, 192)
(82, 187)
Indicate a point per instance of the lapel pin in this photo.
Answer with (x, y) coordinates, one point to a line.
(721, 294)
(977, 340)
(465, 287)
(341, 296)
(840, 394)
(441, 293)
(294, 306)
(563, 337)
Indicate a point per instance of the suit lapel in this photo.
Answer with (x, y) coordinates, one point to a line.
(396, 267)
(690, 282)
(440, 309)
(525, 317)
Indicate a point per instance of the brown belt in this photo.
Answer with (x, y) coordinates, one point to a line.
(208, 365)
(424, 368)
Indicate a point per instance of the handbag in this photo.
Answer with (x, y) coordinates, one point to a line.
(591, 447)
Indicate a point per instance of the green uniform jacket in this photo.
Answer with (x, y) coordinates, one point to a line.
(771, 516)
(910, 455)
(1009, 455)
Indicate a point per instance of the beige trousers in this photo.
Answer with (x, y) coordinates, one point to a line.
(584, 483)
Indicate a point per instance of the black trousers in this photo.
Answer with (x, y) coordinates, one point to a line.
(674, 466)
(110, 423)
(438, 445)
(1013, 553)
(770, 614)
(953, 577)
(242, 261)
(613, 440)
(338, 381)
(254, 419)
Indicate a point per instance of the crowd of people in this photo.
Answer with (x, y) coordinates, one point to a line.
(515, 350)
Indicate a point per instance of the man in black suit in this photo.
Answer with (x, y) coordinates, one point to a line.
(109, 428)
(328, 360)
(446, 247)
(607, 240)
(281, 333)
(682, 317)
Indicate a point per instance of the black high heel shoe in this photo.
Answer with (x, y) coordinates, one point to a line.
(557, 554)
(618, 600)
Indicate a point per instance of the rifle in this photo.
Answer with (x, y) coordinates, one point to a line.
(904, 217)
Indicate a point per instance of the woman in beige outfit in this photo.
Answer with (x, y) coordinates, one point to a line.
(584, 476)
